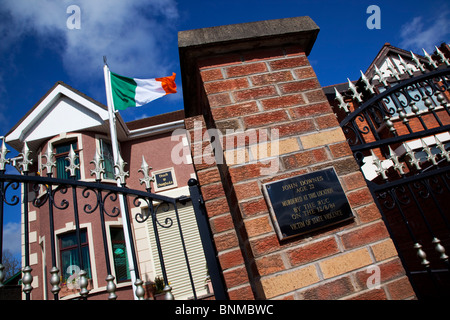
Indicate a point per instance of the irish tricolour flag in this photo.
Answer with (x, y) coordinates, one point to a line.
(132, 92)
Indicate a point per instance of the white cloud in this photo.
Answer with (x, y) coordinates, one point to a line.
(11, 237)
(132, 34)
(422, 32)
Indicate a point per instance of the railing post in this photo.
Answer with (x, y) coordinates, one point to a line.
(206, 238)
(137, 284)
(3, 162)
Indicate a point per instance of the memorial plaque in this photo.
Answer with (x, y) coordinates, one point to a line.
(307, 202)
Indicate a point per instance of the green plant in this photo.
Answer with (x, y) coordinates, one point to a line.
(159, 284)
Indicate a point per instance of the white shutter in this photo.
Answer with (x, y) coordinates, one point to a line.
(172, 248)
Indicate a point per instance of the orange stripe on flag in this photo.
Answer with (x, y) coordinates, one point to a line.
(168, 83)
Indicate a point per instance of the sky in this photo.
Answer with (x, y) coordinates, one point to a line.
(45, 41)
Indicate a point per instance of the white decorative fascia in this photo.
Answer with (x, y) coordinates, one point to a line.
(61, 110)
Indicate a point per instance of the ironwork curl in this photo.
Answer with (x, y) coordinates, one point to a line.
(395, 100)
(403, 198)
(14, 199)
(424, 193)
(400, 92)
(112, 195)
(436, 186)
(365, 129)
(139, 217)
(425, 88)
(440, 84)
(377, 114)
(168, 221)
(359, 157)
(347, 129)
(49, 195)
(41, 197)
(86, 193)
(386, 203)
(64, 204)
(416, 96)
(388, 100)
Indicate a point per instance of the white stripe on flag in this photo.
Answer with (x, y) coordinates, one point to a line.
(148, 90)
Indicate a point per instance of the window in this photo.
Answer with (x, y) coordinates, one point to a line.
(70, 262)
(107, 154)
(61, 152)
(120, 255)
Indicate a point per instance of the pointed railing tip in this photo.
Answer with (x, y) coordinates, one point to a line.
(49, 163)
(3, 151)
(442, 56)
(340, 99)
(368, 85)
(412, 156)
(381, 77)
(26, 161)
(419, 65)
(72, 157)
(147, 179)
(444, 153)
(121, 174)
(355, 94)
(391, 68)
(395, 159)
(430, 156)
(98, 163)
(379, 165)
(431, 62)
(408, 68)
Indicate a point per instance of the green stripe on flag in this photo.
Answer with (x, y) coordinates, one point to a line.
(123, 91)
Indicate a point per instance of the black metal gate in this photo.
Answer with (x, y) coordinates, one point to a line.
(73, 199)
(400, 138)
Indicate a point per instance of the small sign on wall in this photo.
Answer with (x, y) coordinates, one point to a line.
(164, 179)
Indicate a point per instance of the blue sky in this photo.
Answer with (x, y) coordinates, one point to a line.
(139, 39)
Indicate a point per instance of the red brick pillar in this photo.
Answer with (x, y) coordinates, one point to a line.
(221, 221)
(255, 84)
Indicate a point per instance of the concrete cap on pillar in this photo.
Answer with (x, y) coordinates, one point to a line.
(194, 44)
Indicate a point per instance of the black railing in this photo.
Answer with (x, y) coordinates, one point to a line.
(397, 104)
(411, 186)
(56, 199)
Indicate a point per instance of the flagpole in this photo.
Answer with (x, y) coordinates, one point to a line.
(115, 149)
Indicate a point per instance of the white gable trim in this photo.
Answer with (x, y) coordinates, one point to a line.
(45, 107)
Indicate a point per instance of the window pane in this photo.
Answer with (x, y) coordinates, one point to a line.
(70, 239)
(120, 255)
(70, 263)
(62, 151)
(86, 260)
(108, 158)
(65, 147)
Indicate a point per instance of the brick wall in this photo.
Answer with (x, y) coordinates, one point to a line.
(274, 92)
(226, 236)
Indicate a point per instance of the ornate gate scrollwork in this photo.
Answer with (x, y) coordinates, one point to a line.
(394, 127)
